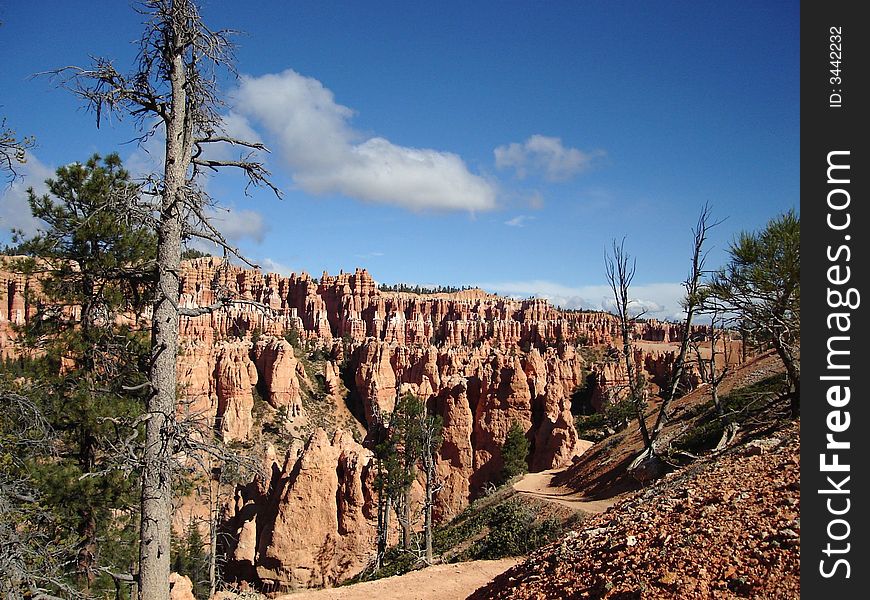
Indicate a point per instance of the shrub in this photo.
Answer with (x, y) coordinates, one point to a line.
(514, 531)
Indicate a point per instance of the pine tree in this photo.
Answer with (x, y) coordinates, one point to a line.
(93, 264)
(407, 424)
(761, 284)
(514, 453)
(172, 88)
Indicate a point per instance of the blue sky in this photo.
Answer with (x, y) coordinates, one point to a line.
(501, 144)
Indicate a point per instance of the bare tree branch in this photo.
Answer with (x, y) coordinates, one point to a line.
(620, 275)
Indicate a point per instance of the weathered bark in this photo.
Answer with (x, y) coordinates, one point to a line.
(384, 508)
(86, 558)
(427, 508)
(406, 523)
(634, 383)
(214, 497)
(793, 372)
(431, 440)
(154, 565)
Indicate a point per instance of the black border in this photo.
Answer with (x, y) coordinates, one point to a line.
(826, 128)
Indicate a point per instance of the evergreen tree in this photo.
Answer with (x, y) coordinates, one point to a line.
(33, 548)
(514, 453)
(761, 284)
(407, 430)
(189, 558)
(94, 265)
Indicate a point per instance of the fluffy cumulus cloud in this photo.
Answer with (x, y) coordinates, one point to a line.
(326, 155)
(656, 300)
(238, 224)
(14, 208)
(545, 156)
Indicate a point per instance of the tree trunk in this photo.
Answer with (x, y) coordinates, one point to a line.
(633, 383)
(427, 509)
(159, 431)
(383, 525)
(406, 525)
(676, 376)
(212, 539)
(794, 377)
(154, 565)
(86, 556)
(384, 532)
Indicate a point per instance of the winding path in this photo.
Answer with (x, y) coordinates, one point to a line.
(439, 582)
(540, 486)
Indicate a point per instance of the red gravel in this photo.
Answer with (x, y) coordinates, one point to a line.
(725, 527)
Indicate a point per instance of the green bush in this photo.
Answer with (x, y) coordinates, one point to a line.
(292, 337)
(591, 427)
(513, 531)
(619, 413)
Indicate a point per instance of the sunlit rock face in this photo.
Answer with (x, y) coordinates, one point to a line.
(479, 361)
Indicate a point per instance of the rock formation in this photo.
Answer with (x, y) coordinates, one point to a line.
(480, 361)
(315, 522)
(281, 374)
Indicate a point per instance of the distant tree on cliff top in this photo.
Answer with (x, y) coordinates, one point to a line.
(761, 285)
(172, 90)
(192, 253)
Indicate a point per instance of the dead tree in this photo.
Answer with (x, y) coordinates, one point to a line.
(172, 89)
(710, 373)
(620, 275)
(691, 302)
(430, 438)
(13, 151)
(386, 461)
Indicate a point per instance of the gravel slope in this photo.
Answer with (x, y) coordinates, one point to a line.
(725, 527)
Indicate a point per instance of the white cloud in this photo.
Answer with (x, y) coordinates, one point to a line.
(267, 265)
(14, 208)
(544, 155)
(658, 300)
(238, 224)
(326, 155)
(519, 221)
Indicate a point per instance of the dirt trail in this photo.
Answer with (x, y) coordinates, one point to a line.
(540, 485)
(439, 582)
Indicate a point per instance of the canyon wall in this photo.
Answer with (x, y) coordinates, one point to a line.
(317, 359)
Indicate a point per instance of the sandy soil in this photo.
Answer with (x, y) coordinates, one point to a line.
(439, 582)
(540, 485)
